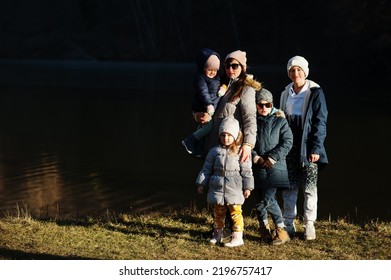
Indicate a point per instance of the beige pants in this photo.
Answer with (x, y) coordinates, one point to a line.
(235, 212)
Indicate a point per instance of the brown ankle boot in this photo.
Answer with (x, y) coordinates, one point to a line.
(281, 237)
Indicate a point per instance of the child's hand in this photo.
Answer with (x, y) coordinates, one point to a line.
(222, 90)
(268, 163)
(260, 161)
(200, 189)
(202, 117)
(210, 109)
(246, 193)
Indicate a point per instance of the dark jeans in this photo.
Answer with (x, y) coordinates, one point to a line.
(269, 204)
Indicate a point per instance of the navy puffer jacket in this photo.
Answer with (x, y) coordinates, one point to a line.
(314, 123)
(274, 140)
(205, 88)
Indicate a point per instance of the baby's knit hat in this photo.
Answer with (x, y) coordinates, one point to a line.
(239, 56)
(265, 95)
(213, 62)
(231, 126)
(299, 61)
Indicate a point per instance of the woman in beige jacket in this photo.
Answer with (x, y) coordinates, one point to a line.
(238, 102)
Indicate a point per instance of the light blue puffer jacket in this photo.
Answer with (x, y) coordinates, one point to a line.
(225, 177)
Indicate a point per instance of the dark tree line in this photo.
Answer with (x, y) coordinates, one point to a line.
(335, 32)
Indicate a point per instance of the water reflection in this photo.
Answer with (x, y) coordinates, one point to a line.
(83, 151)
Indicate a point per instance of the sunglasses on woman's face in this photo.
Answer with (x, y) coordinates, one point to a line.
(234, 66)
(267, 105)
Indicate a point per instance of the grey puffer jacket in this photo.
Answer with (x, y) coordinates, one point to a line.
(243, 109)
(225, 177)
(274, 140)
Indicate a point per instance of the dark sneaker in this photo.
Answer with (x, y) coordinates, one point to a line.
(217, 236)
(190, 143)
(290, 228)
(266, 235)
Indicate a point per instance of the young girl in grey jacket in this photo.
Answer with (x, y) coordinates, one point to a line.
(230, 182)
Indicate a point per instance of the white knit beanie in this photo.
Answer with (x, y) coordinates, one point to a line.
(213, 62)
(299, 61)
(239, 56)
(231, 126)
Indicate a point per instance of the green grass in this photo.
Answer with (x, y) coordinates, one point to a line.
(180, 235)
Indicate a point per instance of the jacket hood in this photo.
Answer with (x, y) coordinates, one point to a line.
(279, 113)
(203, 56)
(311, 84)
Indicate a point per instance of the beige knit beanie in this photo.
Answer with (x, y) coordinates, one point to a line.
(239, 56)
(213, 62)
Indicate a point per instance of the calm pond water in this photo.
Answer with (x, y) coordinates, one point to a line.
(85, 151)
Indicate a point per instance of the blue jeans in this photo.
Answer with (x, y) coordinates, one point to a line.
(269, 204)
(203, 130)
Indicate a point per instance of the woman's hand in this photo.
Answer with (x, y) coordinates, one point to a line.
(246, 193)
(313, 158)
(245, 153)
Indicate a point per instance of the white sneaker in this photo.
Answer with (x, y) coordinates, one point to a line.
(309, 233)
(237, 240)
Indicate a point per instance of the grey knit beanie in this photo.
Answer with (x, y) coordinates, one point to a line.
(265, 95)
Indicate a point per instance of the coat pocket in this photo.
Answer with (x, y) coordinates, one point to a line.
(216, 182)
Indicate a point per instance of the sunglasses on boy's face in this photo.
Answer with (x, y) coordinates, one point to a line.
(234, 66)
(267, 105)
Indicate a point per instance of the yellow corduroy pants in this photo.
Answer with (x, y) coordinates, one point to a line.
(235, 212)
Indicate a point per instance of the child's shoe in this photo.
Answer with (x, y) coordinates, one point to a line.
(237, 239)
(190, 143)
(217, 236)
(281, 237)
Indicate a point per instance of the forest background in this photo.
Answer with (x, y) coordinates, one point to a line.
(336, 33)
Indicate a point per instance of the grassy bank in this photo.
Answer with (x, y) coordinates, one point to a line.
(180, 235)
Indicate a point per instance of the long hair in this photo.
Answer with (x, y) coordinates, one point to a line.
(243, 80)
